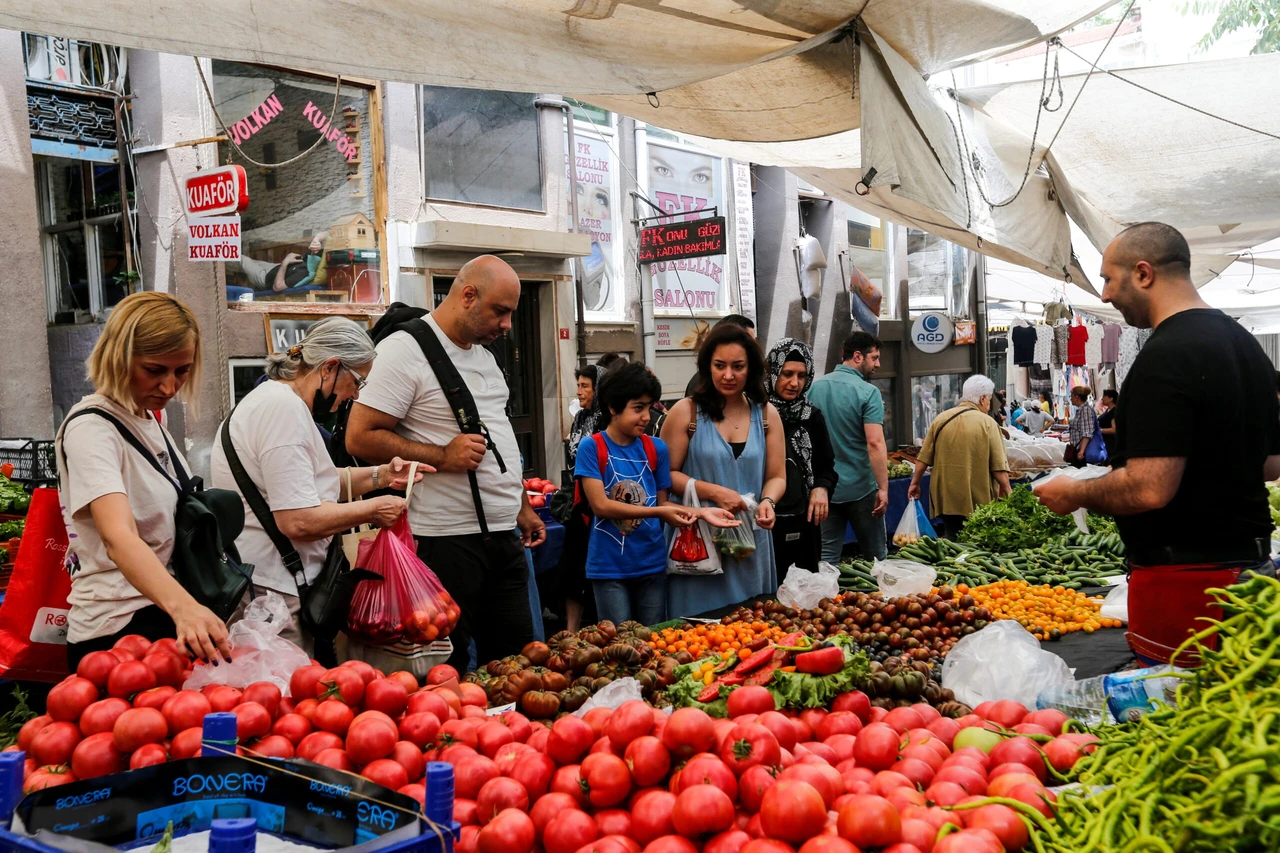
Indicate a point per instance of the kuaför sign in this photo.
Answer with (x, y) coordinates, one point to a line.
(216, 191)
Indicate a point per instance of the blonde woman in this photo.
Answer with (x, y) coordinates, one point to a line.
(274, 435)
(118, 508)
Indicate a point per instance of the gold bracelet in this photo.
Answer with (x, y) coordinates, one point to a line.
(375, 477)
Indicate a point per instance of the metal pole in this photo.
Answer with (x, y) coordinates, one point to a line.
(647, 325)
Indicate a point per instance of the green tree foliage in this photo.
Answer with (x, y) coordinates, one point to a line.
(1237, 15)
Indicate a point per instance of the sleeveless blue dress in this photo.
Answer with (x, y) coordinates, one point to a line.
(710, 458)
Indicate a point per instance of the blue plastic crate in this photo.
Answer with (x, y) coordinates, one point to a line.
(238, 835)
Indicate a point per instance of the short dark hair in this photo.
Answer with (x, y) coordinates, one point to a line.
(862, 342)
(706, 396)
(624, 383)
(741, 320)
(608, 360)
(1158, 244)
(589, 372)
(1115, 395)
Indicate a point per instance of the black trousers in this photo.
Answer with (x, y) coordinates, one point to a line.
(951, 525)
(489, 578)
(151, 622)
(796, 542)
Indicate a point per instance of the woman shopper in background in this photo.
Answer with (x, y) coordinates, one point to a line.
(730, 440)
(584, 422)
(273, 433)
(810, 461)
(966, 453)
(118, 508)
(1084, 430)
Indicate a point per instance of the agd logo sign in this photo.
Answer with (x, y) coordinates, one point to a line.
(932, 332)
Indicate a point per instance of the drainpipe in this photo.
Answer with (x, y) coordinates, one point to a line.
(556, 103)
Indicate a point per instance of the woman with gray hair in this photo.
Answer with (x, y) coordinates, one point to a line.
(274, 436)
(967, 456)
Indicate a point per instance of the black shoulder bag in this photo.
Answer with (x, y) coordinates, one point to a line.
(206, 524)
(325, 601)
(460, 401)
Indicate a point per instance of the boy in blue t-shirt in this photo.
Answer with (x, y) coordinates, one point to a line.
(626, 552)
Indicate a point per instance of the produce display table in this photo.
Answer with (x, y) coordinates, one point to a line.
(897, 505)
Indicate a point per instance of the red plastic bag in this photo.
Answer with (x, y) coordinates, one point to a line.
(33, 618)
(409, 604)
(688, 546)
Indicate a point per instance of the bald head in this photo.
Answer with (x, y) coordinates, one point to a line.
(1162, 246)
(1146, 274)
(481, 300)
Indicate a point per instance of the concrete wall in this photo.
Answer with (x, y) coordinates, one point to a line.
(26, 401)
(169, 106)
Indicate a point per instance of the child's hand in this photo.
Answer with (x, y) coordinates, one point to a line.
(677, 516)
(717, 517)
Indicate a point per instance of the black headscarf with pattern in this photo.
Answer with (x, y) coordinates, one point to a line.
(798, 411)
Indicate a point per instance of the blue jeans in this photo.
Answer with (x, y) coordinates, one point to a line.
(643, 599)
(867, 527)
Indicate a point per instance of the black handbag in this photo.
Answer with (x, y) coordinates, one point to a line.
(324, 602)
(207, 521)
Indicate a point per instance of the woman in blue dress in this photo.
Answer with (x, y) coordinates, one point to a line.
(730, 440)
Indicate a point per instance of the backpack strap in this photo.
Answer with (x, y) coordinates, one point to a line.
(459, 398)
(182, 484)
(288, 554)
(602, 452)
(650, 452)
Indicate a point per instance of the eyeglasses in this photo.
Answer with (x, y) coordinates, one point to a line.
(355, 377)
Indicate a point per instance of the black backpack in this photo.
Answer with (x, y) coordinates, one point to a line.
(405, 318)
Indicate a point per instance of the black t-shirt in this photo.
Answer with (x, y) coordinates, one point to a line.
(1203, 389)
(1024, 344)
(1106, 419)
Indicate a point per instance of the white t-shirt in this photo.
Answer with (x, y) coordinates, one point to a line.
(403, 385)
(98, 461)
(284, 454)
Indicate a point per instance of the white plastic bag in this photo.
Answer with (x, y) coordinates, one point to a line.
(258, 652)
(692, 550)
(612, 695)
(803, 589)
(1088, 472)
(908, 531)
(1116, 604)
(903, 577)
(1002, 661)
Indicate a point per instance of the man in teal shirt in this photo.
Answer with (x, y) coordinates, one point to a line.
(855, 420)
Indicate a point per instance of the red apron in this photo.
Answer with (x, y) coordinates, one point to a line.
(1169, 603)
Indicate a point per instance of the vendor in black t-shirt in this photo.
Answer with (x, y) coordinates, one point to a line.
(1107, 420)
(1188, 496)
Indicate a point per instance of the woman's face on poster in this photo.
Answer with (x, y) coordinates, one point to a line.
(593, 202)
(681, 181)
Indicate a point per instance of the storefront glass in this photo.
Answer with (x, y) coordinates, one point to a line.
(871, 255)
(887, 393)
(679, 181)
(308, 234)
(939, 274)
(930, 397)
(481, 147)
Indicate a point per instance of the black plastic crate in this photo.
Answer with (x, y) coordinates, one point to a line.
(32, 459)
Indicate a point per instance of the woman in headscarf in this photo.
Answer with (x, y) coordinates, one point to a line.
(811, 469)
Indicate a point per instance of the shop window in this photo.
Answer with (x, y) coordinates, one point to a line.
(82, 238)
(69, 62)
(308, 233)
(245, 375)
(888, 393)
(939, 274)
(870, 252)
(481, 147)
(930, 397)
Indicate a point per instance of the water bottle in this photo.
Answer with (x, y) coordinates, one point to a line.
(1084, 700)
(1117, 697)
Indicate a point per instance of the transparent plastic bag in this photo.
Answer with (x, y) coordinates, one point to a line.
(409, 604)
(1002, 661)
(1116, 604)
(692, 550)
(803, 589)
(909, 530)
(739, 542)
(612, 695)
(903, 577)
(1088, 472)
(258, 652)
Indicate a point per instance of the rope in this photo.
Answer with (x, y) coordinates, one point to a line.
(337, 88)
(1092, 68)
(1173, 100)
(276, 765)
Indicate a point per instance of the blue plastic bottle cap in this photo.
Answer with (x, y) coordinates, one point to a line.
(233, 835)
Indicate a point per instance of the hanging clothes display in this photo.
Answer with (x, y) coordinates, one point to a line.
(1061, 337)
(1111, 343)
(1024, 344)
(1077, 337)
(1093, 346)
(1055, 311)
(1131, 343)
(1044, 346)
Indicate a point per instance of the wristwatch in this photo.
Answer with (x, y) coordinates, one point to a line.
(375, 476)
